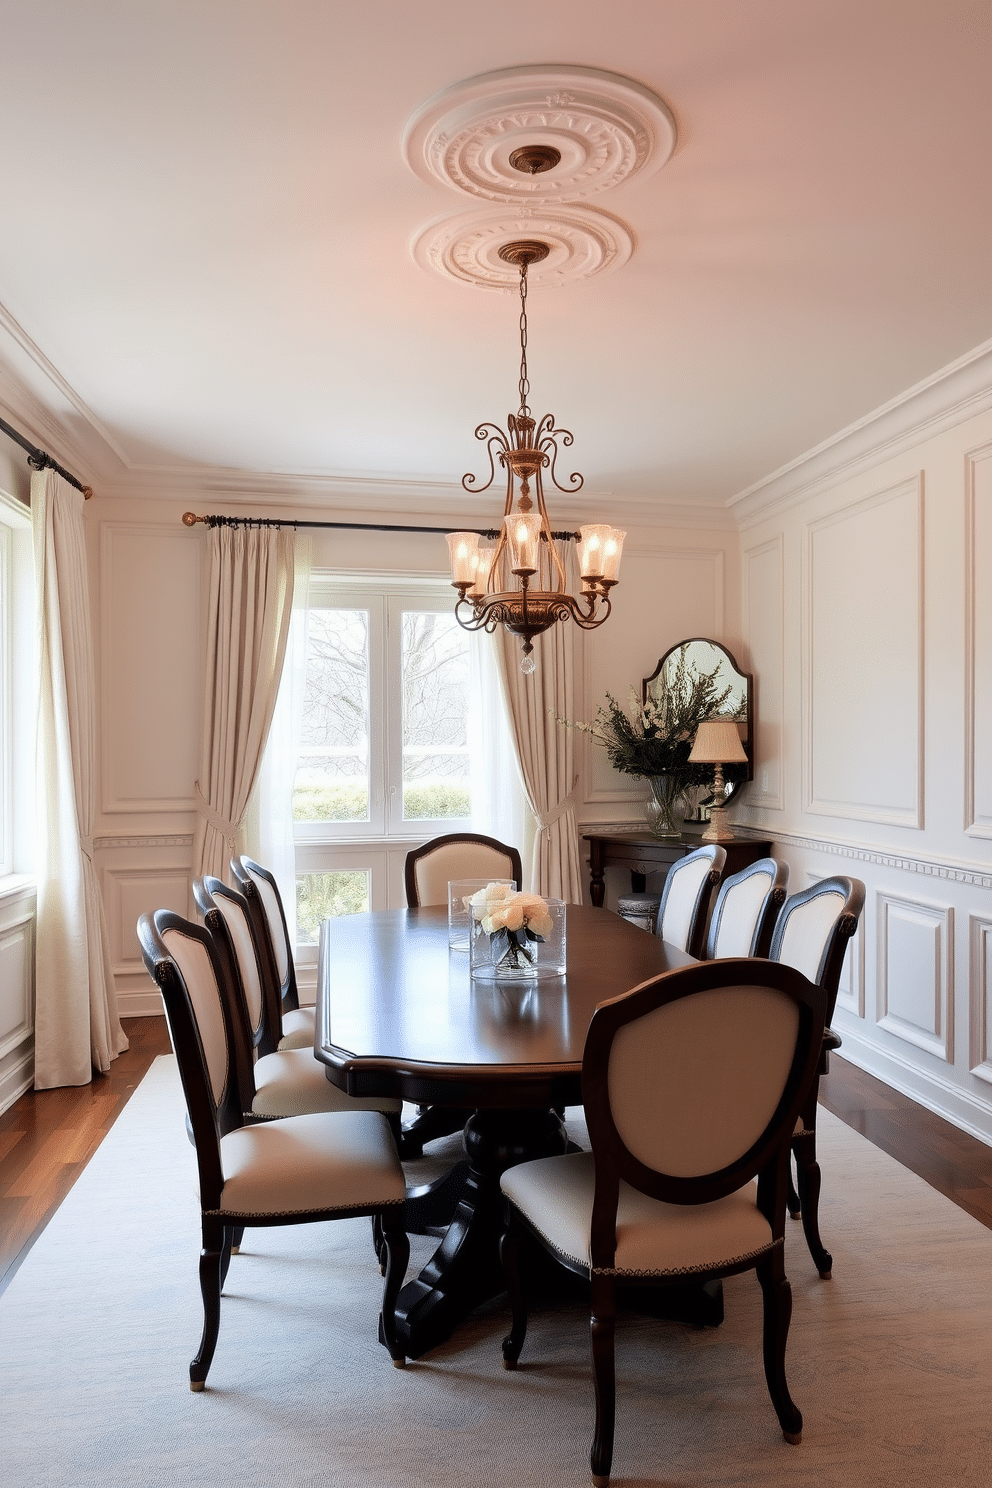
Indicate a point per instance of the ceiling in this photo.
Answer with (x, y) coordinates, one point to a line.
(207, 267)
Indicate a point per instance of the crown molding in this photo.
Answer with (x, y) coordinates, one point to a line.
(956, 392)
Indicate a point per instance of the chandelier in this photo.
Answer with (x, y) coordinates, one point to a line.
(526, 549)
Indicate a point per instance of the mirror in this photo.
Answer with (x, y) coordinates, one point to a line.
(702, 657)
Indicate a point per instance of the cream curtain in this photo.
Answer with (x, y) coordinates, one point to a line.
(248, 615)
(546, 754)
(77, 1028)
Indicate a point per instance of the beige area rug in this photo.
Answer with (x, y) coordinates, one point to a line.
(891, 1362)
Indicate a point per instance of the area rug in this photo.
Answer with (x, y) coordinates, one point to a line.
(890, 1362)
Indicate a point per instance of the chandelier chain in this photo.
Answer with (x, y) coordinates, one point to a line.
(524, 382)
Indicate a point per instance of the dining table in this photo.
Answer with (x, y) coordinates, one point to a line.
(399, 1014)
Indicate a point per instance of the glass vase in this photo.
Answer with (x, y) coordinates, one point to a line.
(496, 958)
(666, 806)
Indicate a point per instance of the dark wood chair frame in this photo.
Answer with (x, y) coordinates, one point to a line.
(212, 1119)
(266, 1035)
(414, 856)
(717, 857)
(767, 1160)
(765, 924)
(287, 991)
(804, 1197)
(432, 1122)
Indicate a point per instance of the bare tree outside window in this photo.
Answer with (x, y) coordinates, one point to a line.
(435, 717)
(332, 777)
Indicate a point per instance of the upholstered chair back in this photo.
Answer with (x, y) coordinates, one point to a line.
(686, 897)
(745, 910)
(456, 855)
(265, 906)
(692, 1082)
(813, 929)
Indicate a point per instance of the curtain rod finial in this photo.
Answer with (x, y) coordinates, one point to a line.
(190, 519)
(87, 492)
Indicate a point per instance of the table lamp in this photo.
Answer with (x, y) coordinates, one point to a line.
(717, 743)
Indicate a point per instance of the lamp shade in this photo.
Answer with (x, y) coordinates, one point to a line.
(717, 742)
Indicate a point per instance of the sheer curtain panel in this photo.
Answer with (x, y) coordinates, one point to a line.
(77, 1028)
(248, 615)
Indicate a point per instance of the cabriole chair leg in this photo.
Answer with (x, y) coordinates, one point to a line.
(776, 1295)
(509, 1254)
(396, 1244)
(216, 1241)
(602, 1325)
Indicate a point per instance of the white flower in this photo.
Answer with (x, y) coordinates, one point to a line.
(514, 912)
(492, 894)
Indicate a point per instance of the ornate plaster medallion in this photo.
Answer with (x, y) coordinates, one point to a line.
(605, 128)
(582, 241)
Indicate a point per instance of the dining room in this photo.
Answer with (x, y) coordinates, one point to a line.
(803, 475)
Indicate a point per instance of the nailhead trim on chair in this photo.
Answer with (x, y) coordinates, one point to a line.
(740, 1260)
(249, 1214)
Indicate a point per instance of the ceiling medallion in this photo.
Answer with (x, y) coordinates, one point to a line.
(521, 582)
(582, 242)
(604, 128)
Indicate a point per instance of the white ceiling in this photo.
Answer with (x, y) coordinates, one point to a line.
(206, 252)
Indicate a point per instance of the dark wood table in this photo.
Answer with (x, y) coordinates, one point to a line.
(399, 1015)
(636, 849)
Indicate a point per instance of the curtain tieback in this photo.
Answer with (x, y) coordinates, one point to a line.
(228, 829)
(86, 847)
(548, 819)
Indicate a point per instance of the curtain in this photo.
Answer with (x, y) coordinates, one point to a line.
(545, 752)
(77, 1027)
(500, 807)
(248, 615)
(269, 824)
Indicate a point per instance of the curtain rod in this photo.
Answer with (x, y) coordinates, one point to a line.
(190, 519)
(39, 459)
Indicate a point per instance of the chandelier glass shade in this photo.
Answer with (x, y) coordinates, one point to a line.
(521, 583)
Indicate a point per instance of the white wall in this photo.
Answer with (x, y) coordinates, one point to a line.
(864, 575)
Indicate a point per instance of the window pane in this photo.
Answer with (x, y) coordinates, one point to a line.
(321, 894)
(332, 774)
(435, 714)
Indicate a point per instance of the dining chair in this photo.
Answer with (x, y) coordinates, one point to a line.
(259, 887)
(691, 1085)
(430, 868)
(685, 899)
(745, 910)
(322, 1166)
(812, 934)
(274, 1081)
(427, 872)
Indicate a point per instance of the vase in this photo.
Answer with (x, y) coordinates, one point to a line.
(502, 958)
(666, 806)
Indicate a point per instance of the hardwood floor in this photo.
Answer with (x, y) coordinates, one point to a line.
(48, 1137)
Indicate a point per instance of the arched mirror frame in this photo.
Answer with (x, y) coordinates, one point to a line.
(650, 685)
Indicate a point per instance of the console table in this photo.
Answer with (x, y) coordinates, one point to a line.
(636, 849)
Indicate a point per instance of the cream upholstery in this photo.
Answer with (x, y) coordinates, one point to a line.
(684, 880)
(193, 961)
(298, 1027)
(292, 1082)
(806, 931)
(677, 1073)
(741, 907)
(244, 950)
(457, 860)
(345, 1160)
(297, 1023)
(555, 1194)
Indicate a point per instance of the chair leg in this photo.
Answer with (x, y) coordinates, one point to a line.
(777, 1307)
(378, 1244)
(227, 1252)
(216, 1245)
(792, 1199)
(238, 1236)
(509, 1255)
(808, 1176)
(602, 1325)
(396, 1245)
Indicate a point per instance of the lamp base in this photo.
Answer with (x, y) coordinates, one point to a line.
(719, 829)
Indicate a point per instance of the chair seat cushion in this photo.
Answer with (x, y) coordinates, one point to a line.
(298, 1028)
(336, 1160)
(292, 1082)
(653, 1239)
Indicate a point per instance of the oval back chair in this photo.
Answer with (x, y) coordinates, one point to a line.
(685, 899)
(429, 868)
(745, 910)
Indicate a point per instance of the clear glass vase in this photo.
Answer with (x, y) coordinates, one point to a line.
(666, 806)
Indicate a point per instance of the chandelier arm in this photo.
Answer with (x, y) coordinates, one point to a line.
(493, 436)
(589, 619)
(549, 442)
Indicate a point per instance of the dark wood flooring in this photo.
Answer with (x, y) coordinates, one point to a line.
(48, 1137)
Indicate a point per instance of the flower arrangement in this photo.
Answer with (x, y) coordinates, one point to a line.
(513, 921)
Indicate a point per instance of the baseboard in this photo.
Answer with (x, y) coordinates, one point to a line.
(966, 1111)
(143, 1004)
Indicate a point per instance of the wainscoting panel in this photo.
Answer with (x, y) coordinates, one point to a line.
(980, 995)
(130, 891)
(862, 679)
(914, 987)
(17, 926)
(150, 602)
(978, 642)
(665, 596)
(763, 599)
